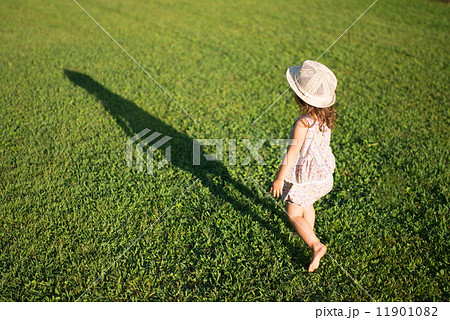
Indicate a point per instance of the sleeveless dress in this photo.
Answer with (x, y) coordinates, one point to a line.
(311, 177)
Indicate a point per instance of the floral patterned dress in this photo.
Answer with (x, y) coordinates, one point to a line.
(311, 177)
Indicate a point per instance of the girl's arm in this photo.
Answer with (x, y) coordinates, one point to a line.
(299, 135)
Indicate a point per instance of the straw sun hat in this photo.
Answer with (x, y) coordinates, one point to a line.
(314, 83)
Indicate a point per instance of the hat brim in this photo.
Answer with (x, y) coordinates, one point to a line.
(318, 103)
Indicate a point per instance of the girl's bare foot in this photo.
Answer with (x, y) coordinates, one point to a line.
(319, 251)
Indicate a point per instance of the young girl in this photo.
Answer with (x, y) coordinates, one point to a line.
(306, 173)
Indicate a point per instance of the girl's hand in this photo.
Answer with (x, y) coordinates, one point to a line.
(277, 188)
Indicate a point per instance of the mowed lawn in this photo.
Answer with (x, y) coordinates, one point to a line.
(70, 98)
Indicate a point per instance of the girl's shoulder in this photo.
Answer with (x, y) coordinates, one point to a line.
(307, 121)
(304, 121)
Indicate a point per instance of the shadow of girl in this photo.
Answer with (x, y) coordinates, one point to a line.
(213, 175)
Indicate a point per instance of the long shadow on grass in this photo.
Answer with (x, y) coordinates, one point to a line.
(214, 175)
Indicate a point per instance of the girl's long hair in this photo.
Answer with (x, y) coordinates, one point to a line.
(325, 116)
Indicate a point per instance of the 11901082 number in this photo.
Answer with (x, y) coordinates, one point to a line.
(407, 311)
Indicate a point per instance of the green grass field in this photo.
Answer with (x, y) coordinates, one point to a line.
(70, 98)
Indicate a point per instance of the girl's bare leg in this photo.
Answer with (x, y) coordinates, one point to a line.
(295, 214)
(310, 215)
